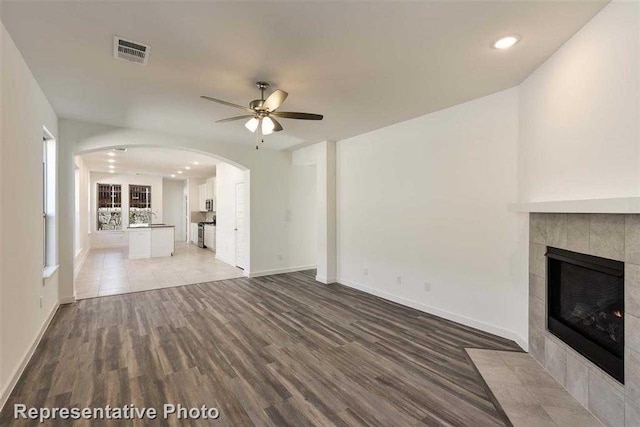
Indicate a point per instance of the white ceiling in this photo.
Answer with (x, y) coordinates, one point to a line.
(363, 65)
(153, 161)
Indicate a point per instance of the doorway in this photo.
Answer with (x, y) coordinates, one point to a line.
(240, 226)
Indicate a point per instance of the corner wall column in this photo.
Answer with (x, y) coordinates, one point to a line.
(323, 156)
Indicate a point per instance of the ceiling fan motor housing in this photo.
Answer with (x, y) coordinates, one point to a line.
(256, 104)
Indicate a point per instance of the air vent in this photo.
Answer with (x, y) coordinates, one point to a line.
(130, 51)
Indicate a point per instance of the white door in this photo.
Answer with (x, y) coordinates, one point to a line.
(187, 227)
(241, 249)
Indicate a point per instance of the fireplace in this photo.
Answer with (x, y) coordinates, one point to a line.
(585, 306)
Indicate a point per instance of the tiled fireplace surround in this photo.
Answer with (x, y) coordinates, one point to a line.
(614, 236)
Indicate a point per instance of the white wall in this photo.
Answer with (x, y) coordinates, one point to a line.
(174, 206)
(85, 213)
(302, 217)
(227, 177)
(426, 200)
(579, 114)
(24, 111)
(110, 239)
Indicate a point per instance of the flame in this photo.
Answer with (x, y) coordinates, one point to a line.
(617, 313)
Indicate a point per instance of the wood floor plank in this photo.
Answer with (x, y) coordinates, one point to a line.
(268, 351)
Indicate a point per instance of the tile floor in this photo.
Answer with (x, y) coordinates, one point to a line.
(528, 394)
(111, 272)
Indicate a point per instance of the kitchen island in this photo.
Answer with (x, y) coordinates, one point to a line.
(151, 240)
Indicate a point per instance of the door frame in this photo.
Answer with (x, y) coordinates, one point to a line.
(235, 224)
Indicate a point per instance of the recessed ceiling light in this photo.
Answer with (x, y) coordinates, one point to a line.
(111, 161)
(196, 163)
(179, 171)
(111, 154)
(110, 171)
(506, 42)
(111, 166)
(173, 176)
(187, 167)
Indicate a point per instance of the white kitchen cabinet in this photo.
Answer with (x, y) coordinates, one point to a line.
(163, 240)
(202, 197)
(194, 233)
(151, 241)
(211, 188)
(210, 237)
(139, 243)
(207, 191)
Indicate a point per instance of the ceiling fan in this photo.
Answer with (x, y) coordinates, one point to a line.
(262, 117)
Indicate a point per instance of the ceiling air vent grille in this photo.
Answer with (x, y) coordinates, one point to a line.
(130, 51)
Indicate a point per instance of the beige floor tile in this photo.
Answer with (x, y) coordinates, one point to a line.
(110, 272)
(86, 294)
(86, 285)
(114, 284)
(116, 291)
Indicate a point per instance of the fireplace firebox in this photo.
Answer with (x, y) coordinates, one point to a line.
(585, 306)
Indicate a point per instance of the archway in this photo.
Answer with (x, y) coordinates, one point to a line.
(84, 138)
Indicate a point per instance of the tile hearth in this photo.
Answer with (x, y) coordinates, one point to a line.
(528, 394)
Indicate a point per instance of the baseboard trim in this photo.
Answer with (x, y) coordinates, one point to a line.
(486, 327)
(326, 280)
(27, 357)
(83, 257)
(281, 270)
(67, 300)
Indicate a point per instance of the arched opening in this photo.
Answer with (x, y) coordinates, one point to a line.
(152, 216)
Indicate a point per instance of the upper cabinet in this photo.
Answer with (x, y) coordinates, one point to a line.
(207, 191)
(202, 197)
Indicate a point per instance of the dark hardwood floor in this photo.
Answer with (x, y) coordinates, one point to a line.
(276, 350)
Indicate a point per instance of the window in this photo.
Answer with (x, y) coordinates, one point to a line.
(140, 204)
(49, 257)
(76, 232)
(109, 207)
(44, 203)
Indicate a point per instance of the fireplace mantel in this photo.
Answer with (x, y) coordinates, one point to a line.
(618, 205)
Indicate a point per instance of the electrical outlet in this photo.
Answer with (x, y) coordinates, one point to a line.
(427, 286)
(40, 302)
(280, 257)
(365, 271)
(399, 280)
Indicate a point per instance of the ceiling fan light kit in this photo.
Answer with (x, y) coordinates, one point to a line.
(263, 112)
(252, 124)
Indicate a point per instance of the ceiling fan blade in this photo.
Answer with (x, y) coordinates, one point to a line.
(299, 116)
(278, 126)
(232, 119)
(275, 100)
(229, 104)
